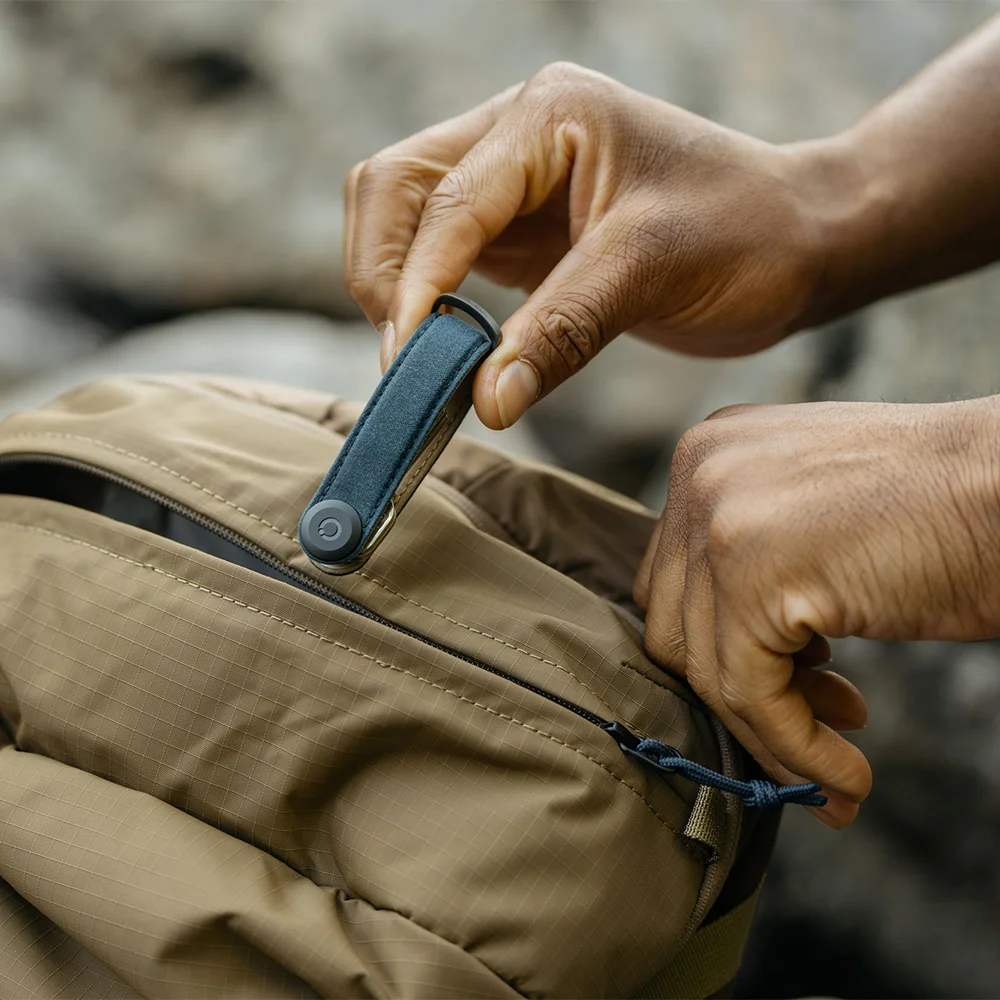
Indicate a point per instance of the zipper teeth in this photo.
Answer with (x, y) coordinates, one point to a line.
(303, 579)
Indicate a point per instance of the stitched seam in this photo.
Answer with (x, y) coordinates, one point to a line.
(503, 642)
(502, 464)
(415, 474)
(156, 465)
(434, 449)
(229, 503)
(470, 628)
(484, 477)
(476, 515)
(339, 645)
(487, 635)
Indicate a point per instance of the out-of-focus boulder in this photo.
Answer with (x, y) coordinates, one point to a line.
(293, 349)
(904, 903)
(35, 338)
(937, 344)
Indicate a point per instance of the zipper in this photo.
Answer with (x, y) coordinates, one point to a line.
(306, 582)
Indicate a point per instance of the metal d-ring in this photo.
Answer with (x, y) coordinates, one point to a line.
(486, 322)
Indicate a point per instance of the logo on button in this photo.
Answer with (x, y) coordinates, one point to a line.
(330, 530)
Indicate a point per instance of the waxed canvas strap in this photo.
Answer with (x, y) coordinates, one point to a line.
(411, 416)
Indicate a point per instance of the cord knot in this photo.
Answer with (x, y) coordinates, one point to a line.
(761, 794)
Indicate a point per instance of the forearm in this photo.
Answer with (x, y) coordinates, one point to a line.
(917, 197)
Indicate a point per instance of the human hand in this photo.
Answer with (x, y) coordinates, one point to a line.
(615, 210)
(786, 524)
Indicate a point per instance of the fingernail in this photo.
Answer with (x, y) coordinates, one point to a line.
(388, 351)
(824, 817)
(517, 388)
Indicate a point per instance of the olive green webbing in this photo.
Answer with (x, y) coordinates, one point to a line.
(709, 960)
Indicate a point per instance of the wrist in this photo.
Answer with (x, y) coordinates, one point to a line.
(977, 444)
(970, 487)
(843, 208)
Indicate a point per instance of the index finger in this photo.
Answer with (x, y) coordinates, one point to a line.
(511, 171)
(384, 199)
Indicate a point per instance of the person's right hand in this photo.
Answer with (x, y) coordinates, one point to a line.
(615, 210)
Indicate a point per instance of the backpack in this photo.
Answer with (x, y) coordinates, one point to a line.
(226, 773)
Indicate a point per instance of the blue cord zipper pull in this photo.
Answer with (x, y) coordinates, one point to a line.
(756, 793)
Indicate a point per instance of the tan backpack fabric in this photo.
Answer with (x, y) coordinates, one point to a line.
(217, 781)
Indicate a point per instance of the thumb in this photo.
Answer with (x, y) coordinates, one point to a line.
(601, 287)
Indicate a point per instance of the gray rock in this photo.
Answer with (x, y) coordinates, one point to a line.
(912, 886)
(338, 358)
(35, 338)
(933, 345)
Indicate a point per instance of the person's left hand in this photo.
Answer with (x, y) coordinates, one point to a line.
(786, 524)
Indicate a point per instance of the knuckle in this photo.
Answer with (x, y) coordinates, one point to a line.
(382, 176)
(698, 440)
(360, 285)
(688, 454)
(564, 90)
(693, 448)
(371, 173)
(843, 766)
(571, 333)
(733, 410)
(666, 645)
(707, 479)
(452, 193)
(720, 465)
(730, 526)
(355, 283)
(561, 73)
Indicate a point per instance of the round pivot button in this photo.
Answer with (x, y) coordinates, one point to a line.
(330, 530)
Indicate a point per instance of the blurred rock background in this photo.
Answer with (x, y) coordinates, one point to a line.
(159, 159)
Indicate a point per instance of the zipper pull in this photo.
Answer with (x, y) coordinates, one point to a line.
(758, 793)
